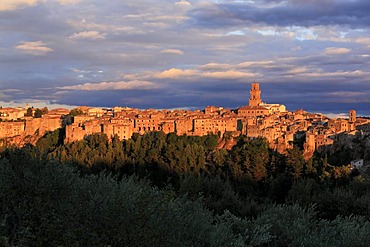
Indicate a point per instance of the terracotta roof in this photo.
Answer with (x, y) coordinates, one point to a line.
(252, 108)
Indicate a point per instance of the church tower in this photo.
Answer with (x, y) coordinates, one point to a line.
(352, 116)
(255, 95)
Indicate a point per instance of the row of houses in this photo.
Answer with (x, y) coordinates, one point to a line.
(280, 127)
(30, 126)
(14, 122)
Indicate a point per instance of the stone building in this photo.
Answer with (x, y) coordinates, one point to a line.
(9, 113)
(123, 130)
(10, 129)
(256, 107)
(255, 95)
(184, 126)
(74, 132)
(352, 116)
(280, 127)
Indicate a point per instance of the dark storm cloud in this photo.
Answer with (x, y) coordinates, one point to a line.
(290, 13)
(314, 97)
(323, 96)
(309, 82)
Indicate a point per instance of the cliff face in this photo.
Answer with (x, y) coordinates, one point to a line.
(346, 145)
(29, 130)
(308, 151)
(20, 140)
(228, 140)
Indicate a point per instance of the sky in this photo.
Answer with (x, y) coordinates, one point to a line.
(306, 54)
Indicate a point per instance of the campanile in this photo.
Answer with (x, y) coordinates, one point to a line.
(352, 116)
(255, 95)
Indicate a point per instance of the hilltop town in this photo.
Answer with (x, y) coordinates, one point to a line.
(279, 126)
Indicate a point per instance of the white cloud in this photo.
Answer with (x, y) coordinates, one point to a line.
(92, 35)
(336, 51)
(265, 64)
(298, 70)
(172, 51)
(340, 73)
(180, 73)
(65, 2)
(9, 5)
(183, 3)
(175, 73)
(228, 74)
(347, 94)
(37, 48)
(11, 90)
(363, 40)
(119, 85)
(91, 25)
(215, 66)
(6, 5)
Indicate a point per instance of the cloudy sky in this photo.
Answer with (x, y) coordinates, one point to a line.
(310, 54)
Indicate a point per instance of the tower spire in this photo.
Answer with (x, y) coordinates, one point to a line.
(255, 94)
(352, 116)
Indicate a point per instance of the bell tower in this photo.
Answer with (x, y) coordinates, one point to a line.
(352, 116)
(255, 95)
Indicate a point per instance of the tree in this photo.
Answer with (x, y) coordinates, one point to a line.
(295, 162)
(75, 112)
(37, 113)
(44, 110)
(252, 156)
(49, 141)
(29, 112)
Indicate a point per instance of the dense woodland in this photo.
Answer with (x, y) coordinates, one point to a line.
(169, 190)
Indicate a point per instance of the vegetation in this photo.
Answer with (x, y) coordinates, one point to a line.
(75, 112)
(169, 190)
(29, 112)
(36, 113)
(39, 112)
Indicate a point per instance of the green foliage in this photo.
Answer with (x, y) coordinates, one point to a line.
(278, 187)
(39, 112)
(342, 201)
(242, 232)
(75, 112)
(204, 196)
(45, 203)
(349, 231)
(303, 191)
(249, 157)
(49, 142)
(28, 112)
(340, 157)
(251, 168)
(295, 162)
(287, 223)
(297, 226)
(218, 195)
